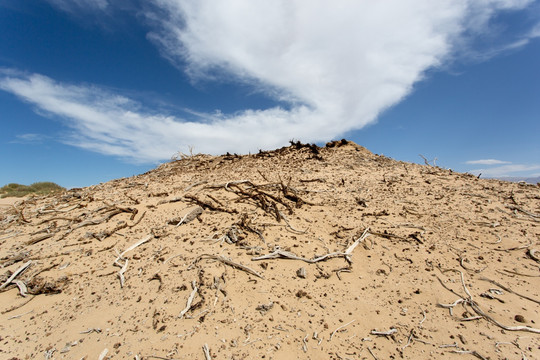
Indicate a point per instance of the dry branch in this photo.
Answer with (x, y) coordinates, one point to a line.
(510, 290)
(534, 216)
(121, 273)
(479, 311)
(229, 262)
(23, 290)
(384, 333)
(15, 307)
(472, 352)
(278, 253)
(341, 327)
(516, 247)
(39, 239)
(112, 213)
(123, 267)
(208, 205)
(469, 301)
(190, 299)
(190, 216)
(103, 354)
(16, 273)
(533, 255)
(206, 351)
(137, 244)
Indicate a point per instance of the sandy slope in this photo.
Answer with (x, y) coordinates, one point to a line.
(7, 202)
(426, 229)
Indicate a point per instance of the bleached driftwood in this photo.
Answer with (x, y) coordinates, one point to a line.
(137, 244)
(190, 216)
(533, 254)
(471, 352)
(468, 300)
(23, 290)
(16, 273)
(510, 290)
(123, 267)
(479, 311)
(384, 333)
(206, 351)
(278, 253)
(121, 273)
(20, 315)
(229, 262)
(190, 299)
(103, 354)
(341, 327)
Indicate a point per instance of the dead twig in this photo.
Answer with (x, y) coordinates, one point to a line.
(229, 262)
(479, 311)
(278, 253)
(208, 205)
(510, 290)
(138, 221)
(113, 212)
(516, 247)
(372, 354)
(533, 255)
(469, 301)
(190, 299)
(339, 328)
(520, 274)
(20, 315)
(206, 351)
(423, 319)
(103, 354)
(123, 267)
(472, 352)
(16, 273)
(190, 216)
(23, 290)
(15, 307)
(39, 239)
(384, 333)
(512, 207)
(137, 244)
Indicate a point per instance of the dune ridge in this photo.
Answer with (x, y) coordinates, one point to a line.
(301, 252)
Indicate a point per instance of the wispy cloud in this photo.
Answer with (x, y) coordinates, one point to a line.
(333, 67)
(77, 5)
(30, 138)
(507, 170)
(499, 168)
(486, 162)
(115, 125)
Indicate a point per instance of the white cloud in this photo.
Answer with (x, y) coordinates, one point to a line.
(334, 66)
(114, 125)
(486, 162)
(30, 138)
(507, 170)
(77, 5)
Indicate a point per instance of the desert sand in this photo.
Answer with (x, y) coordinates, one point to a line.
(297, 253)
(8, 201)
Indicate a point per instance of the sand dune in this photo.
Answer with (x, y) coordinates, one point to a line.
(298, 253)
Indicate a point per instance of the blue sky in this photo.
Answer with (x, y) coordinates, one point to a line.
(91, 90)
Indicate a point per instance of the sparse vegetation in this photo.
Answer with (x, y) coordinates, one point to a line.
(38, 188)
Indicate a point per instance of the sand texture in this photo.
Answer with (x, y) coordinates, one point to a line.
(297, 253)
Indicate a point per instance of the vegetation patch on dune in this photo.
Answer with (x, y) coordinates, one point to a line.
(37, 188)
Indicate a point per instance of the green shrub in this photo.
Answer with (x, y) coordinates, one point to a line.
(38, 188)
